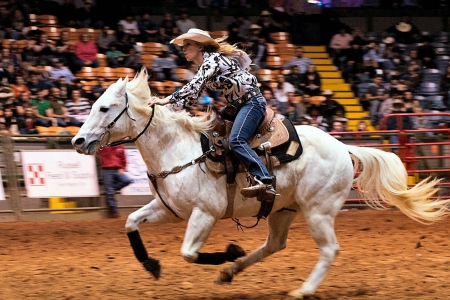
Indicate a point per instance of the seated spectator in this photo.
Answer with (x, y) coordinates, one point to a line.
(295, 77)
(20, 24)
(65, 50)
(405, 31)
(44, 50)
(391, 123)
(386, 106)
(115, 57)
(296, 109)
(59, 71)
(413, 59)
(19, 87)
(58, 111)
(164, 66)
(329, 107)
(339, 45)
(27, 122)
(270, 98)
(40, 107)
(412, 78)
(86, 52)
(316, 120)
(130, 25)
(99, 88)
(353, 61)
(66, 15)
(362, 126)
(337, 127)
(104, 39)
(77, 84)
(243, 25)
(121, 39)
(185, 23)
(134, 60)
(426, 53)
(374, 56)
(6, 91)
(281, 91)
(65, 88)
(299, 60)
(233, 36)
(15, 55)
(258, 52)
(88, 16)
(267, 26)
(395, 64)
(375, 95)
(149, 30)
(311, 83)
(77, 107)
(168, 29)
(28, 56)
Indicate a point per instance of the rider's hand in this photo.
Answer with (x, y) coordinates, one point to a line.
(163, 101)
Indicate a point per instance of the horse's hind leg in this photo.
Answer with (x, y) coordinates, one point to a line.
(153, 212)
(279, 223)
(321, 226)
(199, 227)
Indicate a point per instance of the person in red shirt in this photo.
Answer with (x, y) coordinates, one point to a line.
(113, 163)
(86, 53)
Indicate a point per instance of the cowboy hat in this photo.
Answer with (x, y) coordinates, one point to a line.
(389, 40)
(403, 27)
(398, 101)
(327, 93)
(255, 26)
(197, 35)
(265, 13)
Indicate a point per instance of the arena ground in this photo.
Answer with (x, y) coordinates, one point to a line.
(384, 255)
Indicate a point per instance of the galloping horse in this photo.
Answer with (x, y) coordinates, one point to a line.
(317, 183)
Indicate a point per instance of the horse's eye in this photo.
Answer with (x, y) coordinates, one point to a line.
(103, 109)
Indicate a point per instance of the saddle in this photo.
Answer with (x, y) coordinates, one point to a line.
(275, 141)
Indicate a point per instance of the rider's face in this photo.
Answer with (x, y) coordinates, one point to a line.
(192, 51)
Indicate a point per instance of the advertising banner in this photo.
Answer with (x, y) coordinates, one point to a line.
(59, 173)
(136, 170)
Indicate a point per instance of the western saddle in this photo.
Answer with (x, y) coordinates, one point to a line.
(270, 133)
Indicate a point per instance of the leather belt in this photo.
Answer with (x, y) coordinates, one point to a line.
(250, 94)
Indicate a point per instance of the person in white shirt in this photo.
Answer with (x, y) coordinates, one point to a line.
(130, 25)
(184, 23)
(281, 92)
(340, 42)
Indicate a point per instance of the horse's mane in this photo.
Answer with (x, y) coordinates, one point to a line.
(166, 115)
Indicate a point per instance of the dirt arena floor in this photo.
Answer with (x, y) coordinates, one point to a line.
(384, 255)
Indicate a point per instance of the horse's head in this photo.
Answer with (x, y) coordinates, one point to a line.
(107, 121)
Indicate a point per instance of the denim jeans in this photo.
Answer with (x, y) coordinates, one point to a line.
(244, 126)
(113, 181)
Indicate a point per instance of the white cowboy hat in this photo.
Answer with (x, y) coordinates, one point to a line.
(327, 93)
(255, 26)
(197, 35)
(403, 27)
(389, 40)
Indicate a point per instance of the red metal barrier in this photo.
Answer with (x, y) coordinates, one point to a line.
(408, 148)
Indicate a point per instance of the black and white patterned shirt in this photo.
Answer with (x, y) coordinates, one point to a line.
(218, 73)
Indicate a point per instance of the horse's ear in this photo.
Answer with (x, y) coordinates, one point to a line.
(121, 86)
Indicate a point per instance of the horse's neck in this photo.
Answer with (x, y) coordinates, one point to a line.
(165, 146)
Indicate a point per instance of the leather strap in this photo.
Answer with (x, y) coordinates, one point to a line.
(231, 182)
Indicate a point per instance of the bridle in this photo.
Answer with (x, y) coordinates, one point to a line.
(111, 125)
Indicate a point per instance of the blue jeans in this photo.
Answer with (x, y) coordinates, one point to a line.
(113, 181)
(244, 126)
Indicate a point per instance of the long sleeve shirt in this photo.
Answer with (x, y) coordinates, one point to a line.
(86, 51)
(113, 157)
(56, 73)
(218, 73)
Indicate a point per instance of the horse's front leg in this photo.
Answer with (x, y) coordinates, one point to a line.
(279, 223)
(154, 212)
(199, 227)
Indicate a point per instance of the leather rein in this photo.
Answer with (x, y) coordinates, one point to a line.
(162, 174)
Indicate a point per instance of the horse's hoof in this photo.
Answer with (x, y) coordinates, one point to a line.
(224, 277)
(153, 266)
(294, 295)
(234, 252)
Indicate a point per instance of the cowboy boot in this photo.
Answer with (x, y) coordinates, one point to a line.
(253, 191)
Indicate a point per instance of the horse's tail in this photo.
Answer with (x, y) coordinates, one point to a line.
(383, 178)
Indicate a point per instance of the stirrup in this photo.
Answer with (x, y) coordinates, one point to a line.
(255, 190)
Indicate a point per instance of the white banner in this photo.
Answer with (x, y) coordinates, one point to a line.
(59, 173)
(136, 170)
(2, 191)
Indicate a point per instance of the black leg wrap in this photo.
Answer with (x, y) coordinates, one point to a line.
(153, 266)
(138, 246)
(218, 258)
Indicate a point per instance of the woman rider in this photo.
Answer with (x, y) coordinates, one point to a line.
(224, 68)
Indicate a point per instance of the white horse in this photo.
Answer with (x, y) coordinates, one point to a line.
(317, 183)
